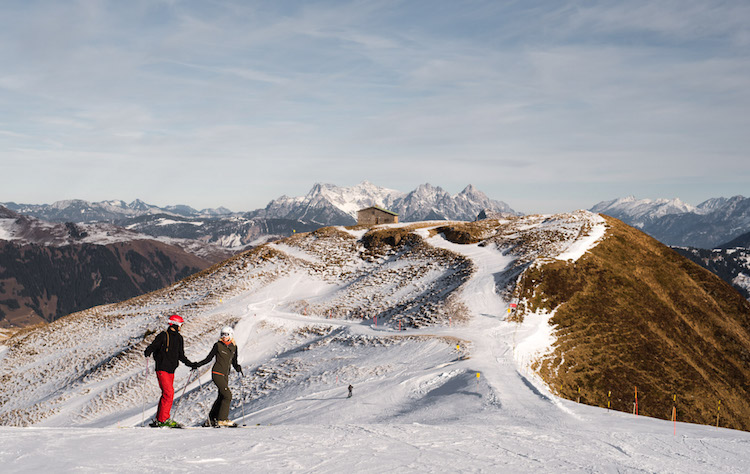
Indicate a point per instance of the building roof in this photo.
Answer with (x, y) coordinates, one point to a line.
(379, 209)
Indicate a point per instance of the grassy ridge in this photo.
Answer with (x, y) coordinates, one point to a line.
(633, 313)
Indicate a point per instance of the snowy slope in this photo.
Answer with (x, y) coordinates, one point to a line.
(442, 380)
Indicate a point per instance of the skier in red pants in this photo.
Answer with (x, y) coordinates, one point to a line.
(168, 350)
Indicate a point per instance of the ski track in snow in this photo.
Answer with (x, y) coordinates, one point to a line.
(436, 399)
(377, 448)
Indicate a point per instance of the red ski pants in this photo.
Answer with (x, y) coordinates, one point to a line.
(166, 384)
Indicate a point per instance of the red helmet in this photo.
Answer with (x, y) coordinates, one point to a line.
(176, 319)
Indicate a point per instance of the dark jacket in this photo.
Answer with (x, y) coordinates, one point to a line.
(168, 350)
(225, 354)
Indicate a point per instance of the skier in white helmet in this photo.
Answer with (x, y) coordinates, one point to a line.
(225, 352)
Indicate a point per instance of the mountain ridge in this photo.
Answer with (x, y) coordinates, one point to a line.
(323, 205)
(672, 222)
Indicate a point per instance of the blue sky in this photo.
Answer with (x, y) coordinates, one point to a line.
(548, 106)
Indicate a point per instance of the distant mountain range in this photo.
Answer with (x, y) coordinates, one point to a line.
(672, 222)
(324, 205)
(103, 252)
(77, 210)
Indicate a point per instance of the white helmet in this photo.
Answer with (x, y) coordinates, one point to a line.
(227, 331)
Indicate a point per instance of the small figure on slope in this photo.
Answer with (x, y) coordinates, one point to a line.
(225, 352)
(350, 391)
(168, 349)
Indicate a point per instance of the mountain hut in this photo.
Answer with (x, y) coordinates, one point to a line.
(375, 215)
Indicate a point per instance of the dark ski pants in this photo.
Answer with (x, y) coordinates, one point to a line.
(220, 410)
(166, 384)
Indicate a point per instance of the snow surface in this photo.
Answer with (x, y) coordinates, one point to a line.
(164, 222)
(582, 245)
(598, 442)
(442, 398)
(5, 229)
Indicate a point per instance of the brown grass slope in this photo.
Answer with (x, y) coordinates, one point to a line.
(634, 313)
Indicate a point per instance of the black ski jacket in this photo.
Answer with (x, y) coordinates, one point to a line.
(225, 354)
(168, 350)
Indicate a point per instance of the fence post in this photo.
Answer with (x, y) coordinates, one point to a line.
(609, 398)
(718, 409)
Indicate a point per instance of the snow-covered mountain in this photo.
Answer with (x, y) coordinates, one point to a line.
(674, 222)
(328, 204)
(333, 205)
(80, 211)
(324, 205)
(640, 211)
(428, 202)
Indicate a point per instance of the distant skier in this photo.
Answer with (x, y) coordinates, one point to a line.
(168, 350)
(225, 352)
(350, 391)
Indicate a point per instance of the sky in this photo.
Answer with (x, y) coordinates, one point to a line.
(547, 106)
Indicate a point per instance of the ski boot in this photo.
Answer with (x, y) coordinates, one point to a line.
(170, 423)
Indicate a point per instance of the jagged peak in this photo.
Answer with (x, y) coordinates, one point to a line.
(471, 190)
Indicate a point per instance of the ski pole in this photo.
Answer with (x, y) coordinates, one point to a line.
(143, 405)
(242, 397)
(177, 405)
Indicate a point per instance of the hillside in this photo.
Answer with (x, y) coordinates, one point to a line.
(416, 317)
(42, 283)
(48, 270)
(633, 313)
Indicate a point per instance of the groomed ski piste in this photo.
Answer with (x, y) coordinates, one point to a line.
(448, 396)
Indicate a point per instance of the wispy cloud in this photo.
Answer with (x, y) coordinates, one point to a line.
(551, 92)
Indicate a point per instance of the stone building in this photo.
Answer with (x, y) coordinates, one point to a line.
(375, 215)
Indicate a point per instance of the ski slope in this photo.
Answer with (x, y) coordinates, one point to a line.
(444, 398)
